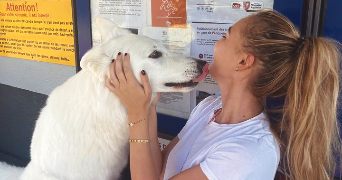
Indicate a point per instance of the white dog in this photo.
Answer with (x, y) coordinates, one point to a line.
(82, 132)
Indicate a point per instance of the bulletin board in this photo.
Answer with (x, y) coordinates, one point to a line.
(187, 27)
(37, 30)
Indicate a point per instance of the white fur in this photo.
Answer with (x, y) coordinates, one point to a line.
(82, 132)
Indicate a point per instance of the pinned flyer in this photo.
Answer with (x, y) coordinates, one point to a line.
(169, 13)
(38, 31)
(125, 13)
(204, 37)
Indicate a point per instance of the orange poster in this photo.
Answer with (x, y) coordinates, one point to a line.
(37, 30)
(169, 13)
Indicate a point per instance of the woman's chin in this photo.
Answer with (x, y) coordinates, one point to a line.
(211, 70)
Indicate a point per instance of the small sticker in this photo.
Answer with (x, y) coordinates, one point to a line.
(237, 5)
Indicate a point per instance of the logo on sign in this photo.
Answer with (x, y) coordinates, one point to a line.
(246, 5)
(236, 5)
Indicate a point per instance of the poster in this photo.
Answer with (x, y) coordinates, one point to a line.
(223, 11)
(124, 13)
(177, 41)
(175, 104)
(204, 37)
(169, 13)
(37, 30)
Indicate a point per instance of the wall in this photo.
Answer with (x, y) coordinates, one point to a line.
(24, 88)
(34, 76)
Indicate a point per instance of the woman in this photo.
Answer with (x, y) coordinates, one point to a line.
(261, 56)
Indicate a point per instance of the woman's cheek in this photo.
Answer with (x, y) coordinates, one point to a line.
(219, 48)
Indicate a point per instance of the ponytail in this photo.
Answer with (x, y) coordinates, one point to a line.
(310, 114)
(306, 72)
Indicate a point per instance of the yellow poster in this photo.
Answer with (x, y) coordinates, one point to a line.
(37, 30)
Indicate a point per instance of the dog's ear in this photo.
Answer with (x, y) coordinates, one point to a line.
(108, 29)
(95, 61)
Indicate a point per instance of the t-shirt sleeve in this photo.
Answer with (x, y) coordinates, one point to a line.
(229, 161)
(193, 115)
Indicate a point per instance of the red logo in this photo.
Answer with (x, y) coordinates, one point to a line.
(246, 5)
(236, 5)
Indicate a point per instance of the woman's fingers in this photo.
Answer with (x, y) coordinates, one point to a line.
(128, 69)
(121, 72)
(118, 69)
(112, 76)
(109, 85)
(145, 83)
(158, 95)
(154, 101)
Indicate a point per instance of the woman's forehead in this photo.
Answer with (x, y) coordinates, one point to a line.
(240, 23)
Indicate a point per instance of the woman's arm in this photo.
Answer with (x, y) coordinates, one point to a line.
(136, 99)
(154, 143)
(166, 153)
(191, 173)
(141, 157)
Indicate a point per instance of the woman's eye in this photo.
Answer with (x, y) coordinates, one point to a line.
(155, 54)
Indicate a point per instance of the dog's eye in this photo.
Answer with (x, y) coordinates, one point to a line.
(155, 54)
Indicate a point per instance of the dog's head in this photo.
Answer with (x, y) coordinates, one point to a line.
(167, 72)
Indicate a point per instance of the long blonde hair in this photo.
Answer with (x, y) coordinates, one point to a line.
(306, 72)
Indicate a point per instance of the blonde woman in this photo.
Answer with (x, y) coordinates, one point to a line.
(234, 136)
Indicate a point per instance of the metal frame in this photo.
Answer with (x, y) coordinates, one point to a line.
(313, 17)
(82, 29)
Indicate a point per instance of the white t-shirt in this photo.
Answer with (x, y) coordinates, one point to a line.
(242, 151)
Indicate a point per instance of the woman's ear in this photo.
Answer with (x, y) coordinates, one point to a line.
(250, 59)
(247, 62)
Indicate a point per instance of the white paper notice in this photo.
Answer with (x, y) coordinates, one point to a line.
(175, 104)
(204, 38)
(223, 11)
(177, 41)
(125, 13)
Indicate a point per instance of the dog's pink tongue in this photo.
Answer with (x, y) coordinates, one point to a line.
(205, 72)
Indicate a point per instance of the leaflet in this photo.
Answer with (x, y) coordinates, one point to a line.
(175, 39)
(203, 42)
(125, 13)
(175, 104)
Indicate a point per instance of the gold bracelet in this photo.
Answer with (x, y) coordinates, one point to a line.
(138, 141)
(132, 124)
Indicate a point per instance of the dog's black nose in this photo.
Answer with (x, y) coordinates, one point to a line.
(200, 64)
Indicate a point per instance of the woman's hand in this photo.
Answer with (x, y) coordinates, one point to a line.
(126, 87)
(155, 100)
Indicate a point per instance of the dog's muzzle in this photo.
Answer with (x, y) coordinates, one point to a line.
(202, 66)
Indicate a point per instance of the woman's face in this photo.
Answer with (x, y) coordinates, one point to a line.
(227, 53)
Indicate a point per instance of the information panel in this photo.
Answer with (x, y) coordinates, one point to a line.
(37, 30)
